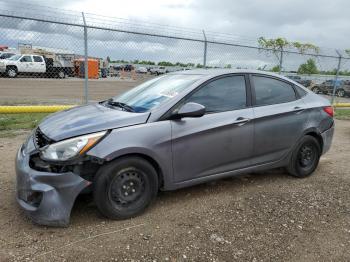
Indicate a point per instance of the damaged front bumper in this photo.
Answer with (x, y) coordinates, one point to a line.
(47, 198)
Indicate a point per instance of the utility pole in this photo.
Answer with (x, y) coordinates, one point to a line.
(86, 64)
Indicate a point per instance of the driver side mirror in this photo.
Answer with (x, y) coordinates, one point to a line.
(189, 110)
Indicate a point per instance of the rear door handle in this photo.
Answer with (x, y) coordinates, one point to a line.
(298, 109)
(240, 121)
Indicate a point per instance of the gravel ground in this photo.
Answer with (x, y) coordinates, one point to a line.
(69, 91)
(256, 217)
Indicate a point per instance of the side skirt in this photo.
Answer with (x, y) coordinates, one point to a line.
(279, 163)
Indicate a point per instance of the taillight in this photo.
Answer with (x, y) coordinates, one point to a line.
(329, 110)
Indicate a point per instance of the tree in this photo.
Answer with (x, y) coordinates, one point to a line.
(280, 44)
(276, 46)
(165, 63)
(228, 66)
(276, 68)
(308, 68)
(303, 47)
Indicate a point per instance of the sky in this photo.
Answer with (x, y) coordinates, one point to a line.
(323, 23)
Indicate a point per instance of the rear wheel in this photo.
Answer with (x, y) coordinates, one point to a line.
(61, 74)
(125, 187)
(340, 92)
(315, 90)
(305, 157)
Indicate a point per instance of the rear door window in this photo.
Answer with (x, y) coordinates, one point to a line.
(38, 59)
(269, 91)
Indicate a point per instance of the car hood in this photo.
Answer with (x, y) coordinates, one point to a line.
(88, 119)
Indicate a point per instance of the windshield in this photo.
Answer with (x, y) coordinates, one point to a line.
(155, 91)
(15, 57)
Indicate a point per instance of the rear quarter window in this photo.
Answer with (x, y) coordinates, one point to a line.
(301, 92)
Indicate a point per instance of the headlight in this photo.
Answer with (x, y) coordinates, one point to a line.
(72, 147)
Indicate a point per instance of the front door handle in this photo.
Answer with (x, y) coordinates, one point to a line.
(240, 121)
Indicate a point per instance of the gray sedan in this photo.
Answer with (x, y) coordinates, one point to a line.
(170, 132)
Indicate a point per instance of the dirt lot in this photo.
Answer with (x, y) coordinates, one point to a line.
(255, 217)
(61, 91)
(68, 91)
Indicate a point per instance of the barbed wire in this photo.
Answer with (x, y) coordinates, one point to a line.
(68, 17)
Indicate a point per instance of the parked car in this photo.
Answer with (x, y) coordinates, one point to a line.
(141, 70)
(298, 79)
(342, 88)
(6, 55)
(128, 67)
(32, 64)
(118, 67)
(159, 70)
(173, 131)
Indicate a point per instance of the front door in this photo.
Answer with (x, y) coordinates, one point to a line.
(219, 141)
(25, 64)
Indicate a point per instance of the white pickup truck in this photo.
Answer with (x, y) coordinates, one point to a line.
(31, 65)
(158, 70)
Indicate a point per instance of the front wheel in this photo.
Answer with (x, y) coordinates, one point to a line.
(305, 157)
(125, 187)
(11, 72)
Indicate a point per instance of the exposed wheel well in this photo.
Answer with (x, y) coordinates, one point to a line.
(318, 137)
(153, 162)
(11, 66)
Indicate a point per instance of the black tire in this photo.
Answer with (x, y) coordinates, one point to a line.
(340, 92)
(61, 74)
(11, 72)
(125, 187)
(315, 89)
(305, 157)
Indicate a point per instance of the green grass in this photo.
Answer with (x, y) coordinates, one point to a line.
(10, 124)
(13, 122)
(342, 114)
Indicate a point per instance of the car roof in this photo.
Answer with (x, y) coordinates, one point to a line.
(217, 72)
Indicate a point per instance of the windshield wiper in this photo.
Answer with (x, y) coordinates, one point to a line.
(123, 106)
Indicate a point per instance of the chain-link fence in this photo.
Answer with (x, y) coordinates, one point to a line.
(67, 57)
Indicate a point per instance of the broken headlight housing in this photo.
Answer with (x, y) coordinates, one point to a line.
(69, 148)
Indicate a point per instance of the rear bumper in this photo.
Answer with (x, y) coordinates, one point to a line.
(47, 198)
(327, 137)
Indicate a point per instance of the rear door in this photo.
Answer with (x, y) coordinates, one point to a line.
(279, 118)
(219, 141)
(39, 64)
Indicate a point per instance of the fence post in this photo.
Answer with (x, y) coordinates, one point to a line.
(281, 62)
(86, 64)
(205, 50)
(336, 76)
